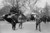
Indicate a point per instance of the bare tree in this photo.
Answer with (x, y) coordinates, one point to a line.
(46, 10)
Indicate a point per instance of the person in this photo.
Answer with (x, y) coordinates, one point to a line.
(14, 9)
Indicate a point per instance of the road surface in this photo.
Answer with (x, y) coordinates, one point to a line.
(28, 27)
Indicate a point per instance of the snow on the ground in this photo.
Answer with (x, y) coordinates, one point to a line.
(28, 27)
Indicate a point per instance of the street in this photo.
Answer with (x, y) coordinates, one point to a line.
(28, 27)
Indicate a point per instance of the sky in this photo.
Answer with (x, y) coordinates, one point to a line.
(40, 3)
(4, 3)
(1, 4)
(48, 2)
